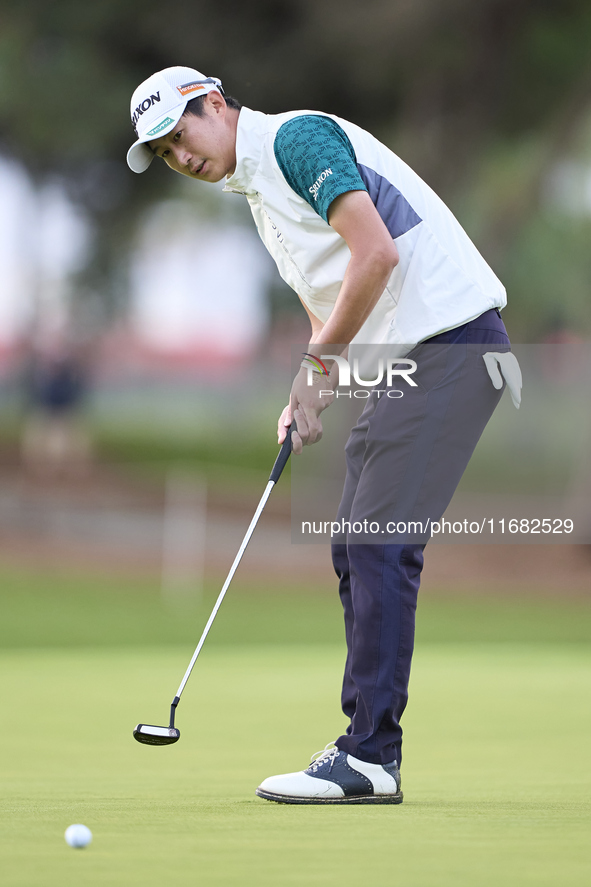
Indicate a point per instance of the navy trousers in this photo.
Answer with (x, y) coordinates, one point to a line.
(405, 458)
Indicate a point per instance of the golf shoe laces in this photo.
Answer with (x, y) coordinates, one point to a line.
(329, 753)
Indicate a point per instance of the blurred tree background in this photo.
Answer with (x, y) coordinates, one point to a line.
(490, 102)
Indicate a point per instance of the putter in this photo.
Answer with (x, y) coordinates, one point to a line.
(149, 734)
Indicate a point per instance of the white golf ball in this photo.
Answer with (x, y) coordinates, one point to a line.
(78, 835)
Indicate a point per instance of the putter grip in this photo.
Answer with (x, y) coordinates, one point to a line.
(283, 456)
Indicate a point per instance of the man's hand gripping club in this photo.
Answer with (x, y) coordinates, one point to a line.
(305, 405)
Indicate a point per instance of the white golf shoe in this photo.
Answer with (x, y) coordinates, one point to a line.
(334, 777)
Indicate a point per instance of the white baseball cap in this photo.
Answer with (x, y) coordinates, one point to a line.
(158, 104)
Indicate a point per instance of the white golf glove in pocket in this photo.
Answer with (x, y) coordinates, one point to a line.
(505, 362)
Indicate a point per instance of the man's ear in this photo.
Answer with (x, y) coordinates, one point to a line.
(216, 102)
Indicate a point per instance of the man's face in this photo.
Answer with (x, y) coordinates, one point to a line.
(202, 148)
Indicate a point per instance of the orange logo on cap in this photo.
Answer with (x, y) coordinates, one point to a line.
(187, 88)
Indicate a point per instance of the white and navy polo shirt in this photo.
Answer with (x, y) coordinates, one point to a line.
(291, 167)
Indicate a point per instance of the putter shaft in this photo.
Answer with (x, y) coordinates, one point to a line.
(278, 467)
(222, 593)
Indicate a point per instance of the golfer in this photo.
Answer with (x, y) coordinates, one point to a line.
(376, 259)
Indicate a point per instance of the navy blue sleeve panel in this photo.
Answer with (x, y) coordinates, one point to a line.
(317, 159)
(393, 207)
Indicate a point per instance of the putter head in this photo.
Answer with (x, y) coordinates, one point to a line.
(151, 735)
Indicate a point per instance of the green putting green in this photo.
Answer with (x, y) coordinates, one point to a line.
(496, 776)
(495, 772)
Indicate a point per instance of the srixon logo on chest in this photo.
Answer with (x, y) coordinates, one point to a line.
(144, 106)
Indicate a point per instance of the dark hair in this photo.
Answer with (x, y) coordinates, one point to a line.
(195, 106)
